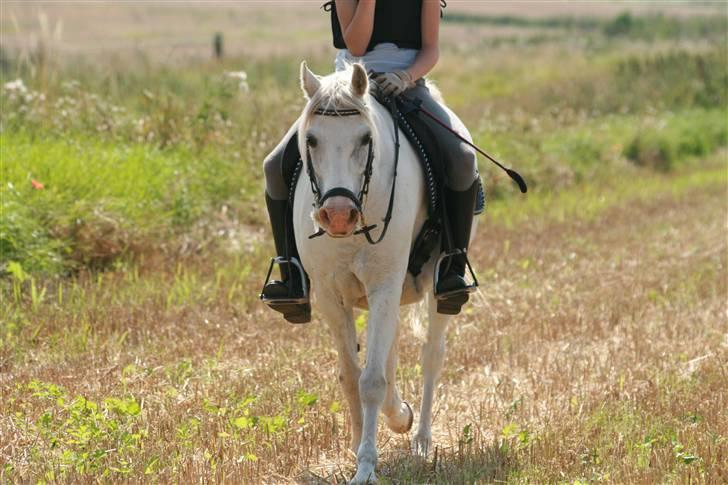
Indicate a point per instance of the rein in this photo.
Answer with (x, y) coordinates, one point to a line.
(360, 199)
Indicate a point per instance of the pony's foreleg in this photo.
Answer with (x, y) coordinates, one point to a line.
(381, 331)
(433, 353)
(343, 329)
(397, 413)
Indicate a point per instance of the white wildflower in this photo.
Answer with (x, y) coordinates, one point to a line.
(241, 77)
(15, 87)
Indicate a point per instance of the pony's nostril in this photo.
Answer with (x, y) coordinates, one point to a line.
(324, 217)
(353, 216)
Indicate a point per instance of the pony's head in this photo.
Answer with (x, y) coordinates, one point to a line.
(336, 137)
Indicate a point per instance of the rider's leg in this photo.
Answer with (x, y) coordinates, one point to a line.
(461, 189)
(460, 207)
(279, 293)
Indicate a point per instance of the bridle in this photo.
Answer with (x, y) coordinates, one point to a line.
(360, 199)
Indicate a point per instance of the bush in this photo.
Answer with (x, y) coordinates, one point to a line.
(664, 146)
(623, 24)
(650, 149)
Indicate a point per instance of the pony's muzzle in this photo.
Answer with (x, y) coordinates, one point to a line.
(338, 216)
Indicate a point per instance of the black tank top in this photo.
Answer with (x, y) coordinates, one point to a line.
(395, 21)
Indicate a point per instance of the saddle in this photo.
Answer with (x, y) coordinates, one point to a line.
(429, 152)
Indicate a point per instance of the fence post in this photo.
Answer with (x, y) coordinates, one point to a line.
(217, 44)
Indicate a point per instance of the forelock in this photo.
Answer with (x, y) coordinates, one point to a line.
(335, 94)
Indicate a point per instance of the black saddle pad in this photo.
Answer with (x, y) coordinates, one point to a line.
(480, 201)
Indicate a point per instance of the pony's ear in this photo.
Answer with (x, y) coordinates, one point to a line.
(359, 80)
(309, 81)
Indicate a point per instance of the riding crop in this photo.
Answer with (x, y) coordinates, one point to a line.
(416, 105)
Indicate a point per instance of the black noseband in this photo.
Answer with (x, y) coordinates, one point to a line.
(341, 192)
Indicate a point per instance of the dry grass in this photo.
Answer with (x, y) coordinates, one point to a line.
(169, 31)
(596, 350)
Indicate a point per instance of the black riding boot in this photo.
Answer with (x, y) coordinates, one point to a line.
(452, 290)
(287, 295)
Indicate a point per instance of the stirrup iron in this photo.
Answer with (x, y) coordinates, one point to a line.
(295, 309)
(451, 302)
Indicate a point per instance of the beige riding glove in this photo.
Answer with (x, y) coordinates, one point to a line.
(393, 83)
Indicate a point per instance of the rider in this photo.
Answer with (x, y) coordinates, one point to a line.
(401, 52)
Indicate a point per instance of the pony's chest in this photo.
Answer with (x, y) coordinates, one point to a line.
(347, 268)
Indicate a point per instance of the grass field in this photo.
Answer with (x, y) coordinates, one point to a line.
(133, 243)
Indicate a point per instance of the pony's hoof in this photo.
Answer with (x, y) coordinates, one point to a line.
(364, 476)
(421, 444)
(402, 421)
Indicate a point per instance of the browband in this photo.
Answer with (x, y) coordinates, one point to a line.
(336, 112)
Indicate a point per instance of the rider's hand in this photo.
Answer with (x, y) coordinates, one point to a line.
(393, 83)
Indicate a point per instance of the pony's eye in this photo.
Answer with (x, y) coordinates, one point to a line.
(366, 139)
(311, 141)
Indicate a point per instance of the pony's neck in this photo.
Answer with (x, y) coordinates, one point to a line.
(384, 126)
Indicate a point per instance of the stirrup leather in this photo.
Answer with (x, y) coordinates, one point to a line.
(459, 291)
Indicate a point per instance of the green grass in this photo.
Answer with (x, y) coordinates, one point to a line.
(589, 200)
(553, 155)
(652, 27)
(83, 433)
(662, 146)
(100, 200)
(141, 159)
(131, 159)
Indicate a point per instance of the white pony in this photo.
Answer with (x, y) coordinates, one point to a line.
(348, 272)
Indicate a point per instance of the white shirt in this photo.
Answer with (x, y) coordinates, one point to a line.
(385, 57)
